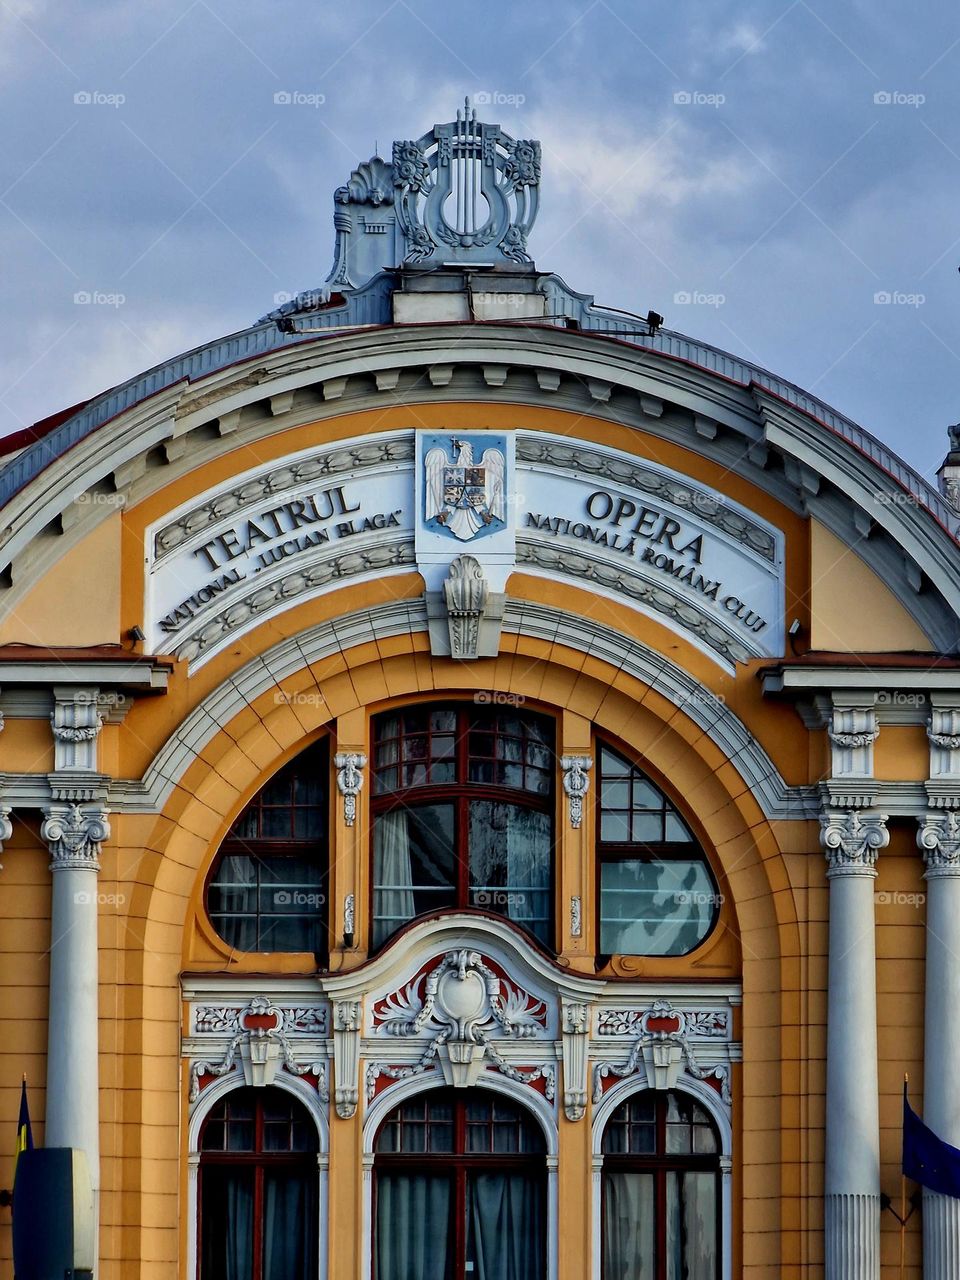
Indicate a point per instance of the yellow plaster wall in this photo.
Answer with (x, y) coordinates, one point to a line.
(77, 601)
(851, 610)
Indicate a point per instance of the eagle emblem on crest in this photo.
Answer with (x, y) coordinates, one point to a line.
(464, 496)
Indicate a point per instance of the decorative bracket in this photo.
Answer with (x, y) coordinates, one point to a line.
(349, 765)
(943, 732)
(852, 841)
(465, 591)
(575, 1026)
(347, 1021)
(852, 731)
(76, 723)
(575, 784)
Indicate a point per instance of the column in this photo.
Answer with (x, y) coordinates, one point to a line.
(851, 841)
(74, 827)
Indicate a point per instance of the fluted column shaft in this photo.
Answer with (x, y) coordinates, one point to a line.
(939, 838)
(852, 1173)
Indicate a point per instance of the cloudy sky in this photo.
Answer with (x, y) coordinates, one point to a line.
(792, 167)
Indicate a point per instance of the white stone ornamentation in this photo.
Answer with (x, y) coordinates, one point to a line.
(852, 840)
(464, 1006)
(75, 835)
(663, 1047)
(349, 765)
(465, 593)
(347, 1022)
(263, 1046)
(575, 1028)
(938, 838)
(576, 916)
(576, 783)
(6, 826)
(852, 731)
(76, 723)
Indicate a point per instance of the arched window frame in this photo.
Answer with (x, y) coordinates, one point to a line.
(459, 793)
(719, 1113)
(636, 849)
(523, 1095)
(281, 847)
(208, 1099)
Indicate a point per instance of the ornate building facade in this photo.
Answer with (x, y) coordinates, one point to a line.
(479, 785)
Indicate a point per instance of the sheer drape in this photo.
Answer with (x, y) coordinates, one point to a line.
(288, 1252)
(628, 1227)
(413, 1220)
(506, 1232)
(227, 1225)
(393, 901)
(691, 1226)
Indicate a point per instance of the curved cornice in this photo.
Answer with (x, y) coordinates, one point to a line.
(714, 718)
(765, 435)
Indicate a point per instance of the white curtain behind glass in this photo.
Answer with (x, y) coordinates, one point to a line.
(628, 1230)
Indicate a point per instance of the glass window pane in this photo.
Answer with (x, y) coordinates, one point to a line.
(226, 1198)
(692, 1226)
(505, 1238)
(510, 856)
(614, 827)
(413, 1227)
(629, 1231)
(677, 829)
(655, 907)
(413, 865)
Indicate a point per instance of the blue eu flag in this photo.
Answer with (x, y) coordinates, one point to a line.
(927, 1159)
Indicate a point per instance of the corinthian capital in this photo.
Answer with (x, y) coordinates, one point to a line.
(939, 840)
(75, 835)
(851, 841)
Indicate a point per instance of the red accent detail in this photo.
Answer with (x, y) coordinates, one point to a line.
(259, 1021)
(30, 435)
(715, 1083)
(665, 1022)
(204, 1079)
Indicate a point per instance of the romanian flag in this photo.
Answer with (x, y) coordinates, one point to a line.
(927, 1159)
(24, 1130)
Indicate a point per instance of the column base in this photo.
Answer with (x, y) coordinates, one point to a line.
(941, 1237)
(852, 1237)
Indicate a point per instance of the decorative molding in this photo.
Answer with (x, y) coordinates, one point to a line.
(576, 916)
(349, 765)
(75, 723)
(852, 841)
(663, 1048)
(713, 1024)
(575, 1029)
(709, 506)
(852, 730)
(465, 592)
(943, 733)
(576, 783)
(75, 836)
(6, 826)
(261, 1041)
(464, 1002)
(349, 917)
(300, 1019)
(938, 838)
(347, 1023)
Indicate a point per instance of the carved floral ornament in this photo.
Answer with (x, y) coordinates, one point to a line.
(852, 840)
(575, 784)
(349, 766)
(75, 835)
(939, 840)
(663, 1047)
(260, 1036)
(463, 1009)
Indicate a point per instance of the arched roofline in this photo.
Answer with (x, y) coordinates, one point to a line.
(850, 482)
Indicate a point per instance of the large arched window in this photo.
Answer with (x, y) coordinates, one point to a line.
(258, 1189)
(657, 895)
(661, 1190)
(463, 815)
(460, 1191)
(267, 889)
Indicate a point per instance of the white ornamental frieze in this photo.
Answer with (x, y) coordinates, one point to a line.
(263, 1038)
(664, 1046)
(460, 1013)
